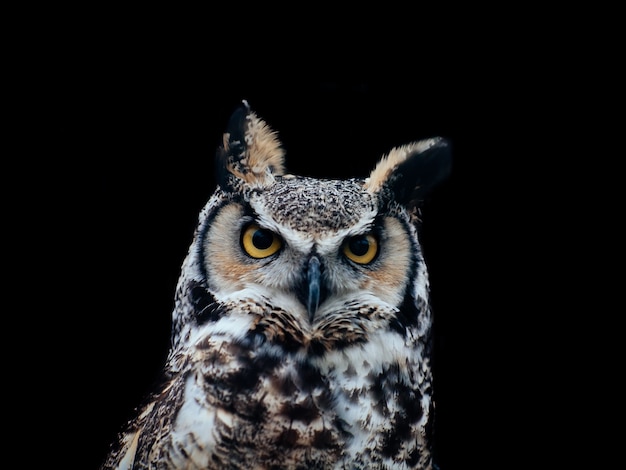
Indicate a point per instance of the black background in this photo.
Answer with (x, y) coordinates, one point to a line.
(136, 119)
(112, 116)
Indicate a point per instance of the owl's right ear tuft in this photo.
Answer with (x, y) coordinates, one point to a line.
(250, 152)
(411, 171)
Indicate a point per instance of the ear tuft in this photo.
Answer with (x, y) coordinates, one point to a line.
(250, 151)
(411, 171)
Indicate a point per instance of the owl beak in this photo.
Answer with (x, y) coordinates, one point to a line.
(314, 288)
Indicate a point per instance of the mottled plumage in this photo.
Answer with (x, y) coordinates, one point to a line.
(301, 334)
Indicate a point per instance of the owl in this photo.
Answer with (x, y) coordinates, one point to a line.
(301, 328)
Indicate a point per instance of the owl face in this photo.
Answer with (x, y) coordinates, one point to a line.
(311, 245)
(319, 251)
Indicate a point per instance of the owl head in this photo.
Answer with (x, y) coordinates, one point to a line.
(307, 264)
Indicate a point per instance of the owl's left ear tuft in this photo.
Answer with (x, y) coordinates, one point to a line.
(250, 151)
(411, 171)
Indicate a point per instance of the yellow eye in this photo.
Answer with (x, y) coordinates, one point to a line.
(259, 242)
(361, 249)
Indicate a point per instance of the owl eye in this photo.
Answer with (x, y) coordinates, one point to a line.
(259, 242)
(361, 249)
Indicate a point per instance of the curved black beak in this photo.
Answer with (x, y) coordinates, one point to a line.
(314, 287)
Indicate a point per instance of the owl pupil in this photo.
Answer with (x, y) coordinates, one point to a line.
(359, 245)
(262, 239)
